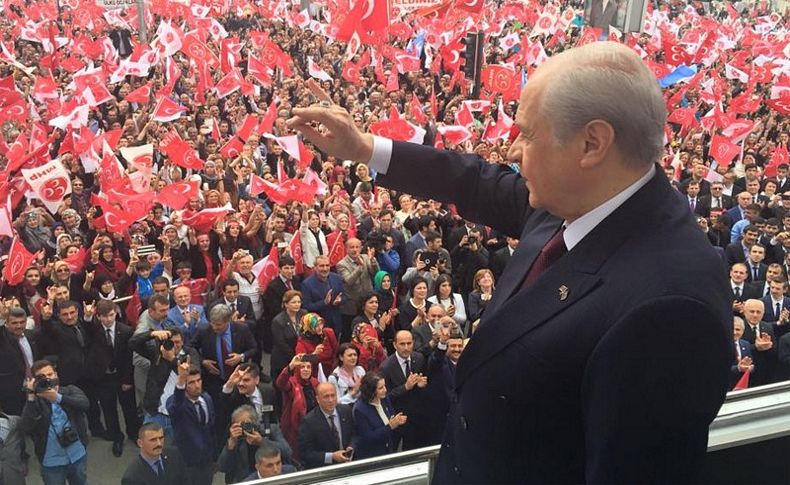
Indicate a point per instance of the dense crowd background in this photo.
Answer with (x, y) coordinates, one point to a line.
(254, 306)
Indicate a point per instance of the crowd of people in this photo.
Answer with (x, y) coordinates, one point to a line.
(254, 306)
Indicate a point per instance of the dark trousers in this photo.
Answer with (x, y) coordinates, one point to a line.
(200, 475)
(104, 396)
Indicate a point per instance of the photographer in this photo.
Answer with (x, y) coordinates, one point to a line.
(164, 348)
(469, 257)
(237, 458)
(244, 388)
(386, 255)
(54, 417)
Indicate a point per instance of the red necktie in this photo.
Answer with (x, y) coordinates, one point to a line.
(550, 253)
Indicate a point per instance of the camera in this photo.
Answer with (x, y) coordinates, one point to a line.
(376, 241)
(168, 344)
(472, 239)
(182, 358)
(249, 427)
(43, 384)
(67, 437)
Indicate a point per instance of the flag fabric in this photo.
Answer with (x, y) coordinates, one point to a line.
(19, 260)
(295, 248)
(176, 196)
(679, 74)
(267, 269)
(743, 382)
(723, 151)
(50, 182)
(139, 95)
(167, 110)
(203, 220)
(316, 71)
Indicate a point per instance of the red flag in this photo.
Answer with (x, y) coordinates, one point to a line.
(133, 309)
(743, 382)
(416, 110)
(203, 221)
(167, 110)
(119, 220)
(337, 249)
(474, 6)
(723, 151)
(19, 260)
(176, 196)
(782, 105)
(267, 121)
(249, 124)
(778, 157)
(497, 79)
(183, 155)
(267, 268)
(232, 148)
(295, 248)
(257, 185)
(140, 95)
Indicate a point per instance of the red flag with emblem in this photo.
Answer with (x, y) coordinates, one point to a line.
(416, 110)
(176, 196)
(203, 220)
(267, 268)
(167, 110)
(139, 95)
(19, 260)
(295, 248)
(723, 151)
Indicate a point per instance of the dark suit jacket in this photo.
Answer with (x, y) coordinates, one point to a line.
(705, 202)
(411, 403)
(273, 297)
(537, 399)
(242, 342)
(195, 441)
(315, 435)
(140, 473)
(283, 341)
(762, 271)
(499, 260)
(61, 346)
(764, 360)
(374, 437)
(770, 309)
(734, 213)
(12, 371)
(755, 289)
(746, 351)
(101, 356)
(734, 252)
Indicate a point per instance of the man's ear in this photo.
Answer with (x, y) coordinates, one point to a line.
(598, 139)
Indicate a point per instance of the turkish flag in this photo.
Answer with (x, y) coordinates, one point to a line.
(119, 220)
(723, 151)
(228, 84)
(464, 116)
(232, 148)
(183, 155)
(267, 269)
(782, 105)
(257, 185)
(139, 95)
(351, 73)
(167, 110)
(19, 260)
(204, 220)
(259, 71)
(295, 248)
(249, 124)
(337, 249)
(474, 6)
(416, 110)
(456, 134)
(176, 196)
(743, 382)
(267, 121)
(778, 157)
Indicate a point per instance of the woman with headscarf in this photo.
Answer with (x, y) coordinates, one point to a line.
(316, 340)
(388, 301)
(62, 275)
(371, 353)
(73, 223)
(34, 235)
(105, 289)
(106, 263)
(297, 385)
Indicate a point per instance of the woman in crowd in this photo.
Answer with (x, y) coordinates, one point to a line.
(317, 340)
(388, 301)
(297, 385)
(452, 303)
(313, 240)
(106, 263)
(347, 375)
(336, 240)
(374, 418)
(482, 291)
(412, 311)
(285, 330)
(371, 353)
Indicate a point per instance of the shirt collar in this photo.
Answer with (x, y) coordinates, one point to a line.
(401, 360)
(578, 229)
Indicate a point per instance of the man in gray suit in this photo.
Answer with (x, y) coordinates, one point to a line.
(603, 13)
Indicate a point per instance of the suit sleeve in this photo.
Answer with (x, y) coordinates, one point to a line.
(366, 432)
(489, 194)
(647, 400)
(308, 444)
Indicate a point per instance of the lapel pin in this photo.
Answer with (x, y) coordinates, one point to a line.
(563, 292)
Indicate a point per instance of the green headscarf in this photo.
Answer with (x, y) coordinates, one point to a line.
(378, 278)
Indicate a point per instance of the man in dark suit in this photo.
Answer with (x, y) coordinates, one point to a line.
(273, 297)
(441, 374)
(715, 200)
(603, 13)
(693, 199)
(559, 383)
(757, 270)
(157, 464)
(763, 340)
(65, 342)
(241, 311)
(322, 293)
(751, 172)
(222, 347)
(403, 373)
(777, 306)
(269, 463)
(500, 258)
(109, 379)
(743, 353)
(192, 413)
(19, 350)
(417, 241)
(735, 213)
(326, 434)
(736, 252)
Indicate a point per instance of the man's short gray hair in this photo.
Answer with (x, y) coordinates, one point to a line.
(220, 313)
(245, 409)
(17, 312)
(608, 81)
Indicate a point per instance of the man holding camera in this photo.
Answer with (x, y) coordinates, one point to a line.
(326, 433)
(165, 350)
(469, 256)
(244, 387)
(54, 418)
(192, 413)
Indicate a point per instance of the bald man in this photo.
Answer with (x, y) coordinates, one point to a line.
(326, 433)
(761, 335)
(573, 373)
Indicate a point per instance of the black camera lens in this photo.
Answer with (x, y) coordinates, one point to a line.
(44, 384)
(168, 344)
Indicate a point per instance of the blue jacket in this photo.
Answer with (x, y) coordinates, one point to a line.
(176, 319)
(313, 294)
(195, 441)
(374, 438)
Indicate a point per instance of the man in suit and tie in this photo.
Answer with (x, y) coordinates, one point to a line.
(588, 206)
(441, 374)
(157, 464)
(192, 413)
(110, 375)
(743, 353)
(761, 289)
(715, 200)
(782, 181)
(404, 375)
(19, 349)
(326, 434)
(269, 463)
(692, 196)
(273, 297)
(424, 224)
(187, 316)
(763, 340)
(757, 269)
(603, 13)
(241, 311)
(735, 213)
(751, 172)
(777, 306)
(501, 257)
(737, 252)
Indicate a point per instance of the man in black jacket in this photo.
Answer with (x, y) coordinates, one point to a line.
(19, 349)
(109, 372)
(54, 418)
(155, 345)
(326, 433)
(157, 464)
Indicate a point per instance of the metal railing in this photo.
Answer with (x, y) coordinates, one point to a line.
(746, 417)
